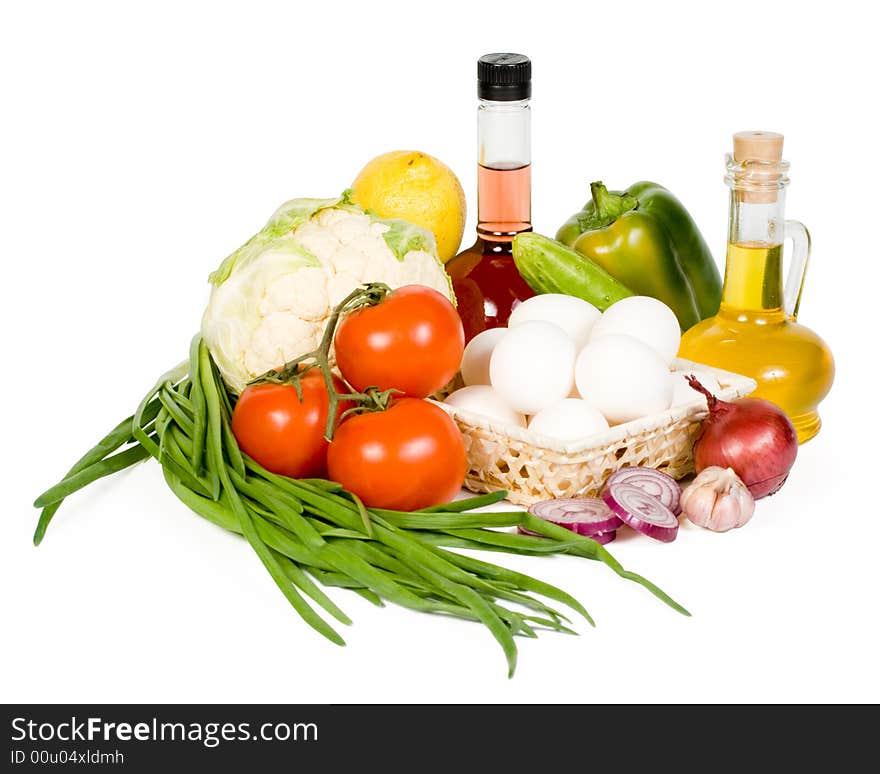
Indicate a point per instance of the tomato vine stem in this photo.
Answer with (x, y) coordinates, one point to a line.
(371, 399)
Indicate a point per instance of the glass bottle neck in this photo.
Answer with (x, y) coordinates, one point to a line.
(504, 184)
(753, 267)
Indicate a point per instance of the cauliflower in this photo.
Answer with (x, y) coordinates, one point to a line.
(271, 298)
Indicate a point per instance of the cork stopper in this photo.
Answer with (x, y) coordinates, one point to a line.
(757, 146)
(759, 155)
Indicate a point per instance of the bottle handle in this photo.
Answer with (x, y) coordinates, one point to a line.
(800, 257)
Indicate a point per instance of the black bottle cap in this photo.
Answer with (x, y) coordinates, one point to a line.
(504, 77)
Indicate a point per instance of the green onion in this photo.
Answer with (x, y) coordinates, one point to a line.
(310, 531)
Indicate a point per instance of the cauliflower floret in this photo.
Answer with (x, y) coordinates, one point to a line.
(421, 269)
(278, 338)
(303, 292)
(348, 260)
(344, 224)
(385, 268)
(317, 239)
(340, 285)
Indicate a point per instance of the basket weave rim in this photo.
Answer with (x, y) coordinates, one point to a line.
(733, 386)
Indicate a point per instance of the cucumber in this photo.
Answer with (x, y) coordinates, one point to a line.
(549, 266)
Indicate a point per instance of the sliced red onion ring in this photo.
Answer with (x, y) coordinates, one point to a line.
(599, 537)
(583, 515)
(656, 483)
(641, 511)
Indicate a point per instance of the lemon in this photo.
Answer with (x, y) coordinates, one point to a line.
(415, 187)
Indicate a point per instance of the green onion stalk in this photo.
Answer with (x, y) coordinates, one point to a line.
(311, 533)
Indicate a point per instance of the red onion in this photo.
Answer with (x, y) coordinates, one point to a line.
(583, 515)
(750, 435)
(600, 537)
(655, 482)
(641, 511)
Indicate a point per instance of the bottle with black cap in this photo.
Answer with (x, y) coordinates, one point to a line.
(487, 284)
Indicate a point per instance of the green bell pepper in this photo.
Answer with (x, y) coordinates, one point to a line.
(645, 238)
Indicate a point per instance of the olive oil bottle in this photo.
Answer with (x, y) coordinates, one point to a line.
(756, 331)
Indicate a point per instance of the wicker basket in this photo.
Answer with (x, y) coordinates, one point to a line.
(532, 468)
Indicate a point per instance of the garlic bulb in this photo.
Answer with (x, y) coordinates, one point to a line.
(718, 500)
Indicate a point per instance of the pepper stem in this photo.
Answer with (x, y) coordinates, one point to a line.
(606, 207)
(371, 399)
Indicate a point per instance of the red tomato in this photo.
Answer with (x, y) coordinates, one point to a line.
(412, 341)
(409, 457)
(282, 433)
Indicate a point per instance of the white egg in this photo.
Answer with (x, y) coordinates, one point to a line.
(574, 315)
(483, 400)
(532, 367)
(568, 420)
(623, 377)
(683, 393)
(644, 318)
(475, 360)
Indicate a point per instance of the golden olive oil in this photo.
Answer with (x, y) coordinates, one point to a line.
(752, 335)
(752, 279)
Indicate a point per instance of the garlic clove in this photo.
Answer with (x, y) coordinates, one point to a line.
(746, 505)
(718, 500)
(698, 503)
(726, 514)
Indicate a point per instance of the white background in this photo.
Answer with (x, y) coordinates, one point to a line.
(141, 143)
